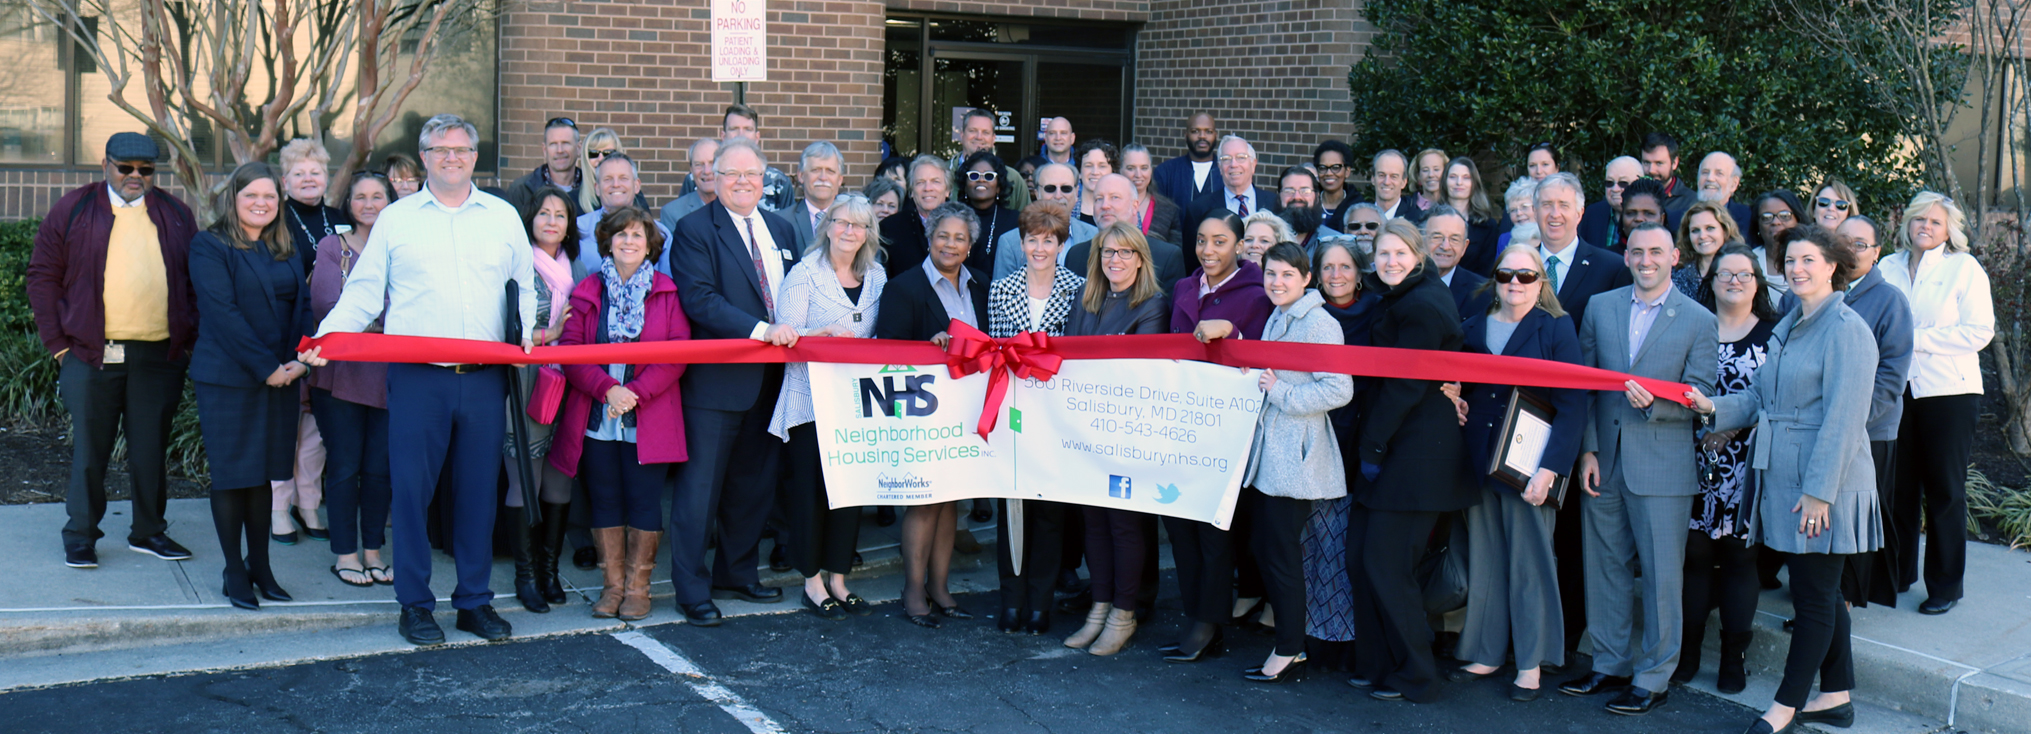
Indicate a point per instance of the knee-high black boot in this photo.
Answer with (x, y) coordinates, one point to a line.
(525, 570)
(546, 543)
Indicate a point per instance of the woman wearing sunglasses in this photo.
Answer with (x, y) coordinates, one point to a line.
(983, 187)
(1834, 203)
(1512, 574)
(599, 144)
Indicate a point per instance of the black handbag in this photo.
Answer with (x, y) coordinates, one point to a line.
(1442, 572)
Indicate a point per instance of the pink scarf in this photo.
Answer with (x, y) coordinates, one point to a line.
(556, 274)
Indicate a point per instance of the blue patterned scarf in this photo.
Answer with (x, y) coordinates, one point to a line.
(624, 301)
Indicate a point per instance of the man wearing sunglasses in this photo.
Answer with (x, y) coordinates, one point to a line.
(560, 164)
(1602, 224)
(977, 134)
(110, 284)
(1056, 183)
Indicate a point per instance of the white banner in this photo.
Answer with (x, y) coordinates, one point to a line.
(1156, 436)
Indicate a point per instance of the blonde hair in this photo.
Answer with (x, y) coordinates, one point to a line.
(1280, 228)
(304, 149)
(1097, 286)
(849, 208)
(1402, 229)
(1730, 234)
(1956, 220)
(1546, 299)
(588, 196)
(1841, 190)
(1419, 160)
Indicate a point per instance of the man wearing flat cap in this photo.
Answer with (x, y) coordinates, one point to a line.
(110, 284)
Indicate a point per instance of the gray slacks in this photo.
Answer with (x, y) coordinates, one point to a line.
(1624, 531)
(1512, 583)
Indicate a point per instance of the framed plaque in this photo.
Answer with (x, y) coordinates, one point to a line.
(1526, 429)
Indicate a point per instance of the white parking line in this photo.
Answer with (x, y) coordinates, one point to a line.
(702, 684)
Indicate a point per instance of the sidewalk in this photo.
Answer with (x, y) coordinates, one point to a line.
(136, 615)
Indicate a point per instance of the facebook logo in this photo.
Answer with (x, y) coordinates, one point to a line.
(1117, 486)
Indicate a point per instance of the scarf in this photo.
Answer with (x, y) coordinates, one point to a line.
(556, 276)
(624, 301)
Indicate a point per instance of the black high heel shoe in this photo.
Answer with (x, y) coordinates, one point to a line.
(1212, 648)
(241, 594)
(298, 514)
(1290, 672)
(952, 612)
(271, 590)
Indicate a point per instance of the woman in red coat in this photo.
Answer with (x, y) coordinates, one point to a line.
(622, 450)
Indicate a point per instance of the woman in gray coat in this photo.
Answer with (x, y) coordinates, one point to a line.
(1295, 458)
(1817, 502)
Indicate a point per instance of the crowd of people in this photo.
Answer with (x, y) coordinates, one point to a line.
(1808, 358)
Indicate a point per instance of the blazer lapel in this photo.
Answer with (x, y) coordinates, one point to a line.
(1475, 334)
(1526, 332)
(1618, 318)
(729, 237)
(1575, 270)
(1667, 313)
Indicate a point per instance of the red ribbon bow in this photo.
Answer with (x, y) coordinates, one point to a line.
(1027, 355)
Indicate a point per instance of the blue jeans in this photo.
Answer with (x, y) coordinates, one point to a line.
(356, 489)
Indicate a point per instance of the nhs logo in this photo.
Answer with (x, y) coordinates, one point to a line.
(1118, 486)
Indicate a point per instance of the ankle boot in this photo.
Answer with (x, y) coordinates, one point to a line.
(1120, 627)
(546, 544)
(1096, 620)
(1734, 661)
(1689, 652)
(612, 549)
(525, 567)
(642, 546)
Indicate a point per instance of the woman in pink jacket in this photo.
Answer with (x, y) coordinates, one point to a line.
(622, 425)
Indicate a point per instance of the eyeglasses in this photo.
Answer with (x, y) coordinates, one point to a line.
(1244, 157)
(127, 170)
(846, 225)
(1334, 168)
(1723, 276)
(1112, 253)
(1838, 205)
(599, 154)
(1522, 277)
(444, 151)
(1364, 226)
(561, 122)
(989, 176)
(1618, 185)
(1058, 188)
(1767, 216)
(1296, 190)
(739, 175)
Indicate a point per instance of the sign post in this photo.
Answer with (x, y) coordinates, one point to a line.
(740, 50)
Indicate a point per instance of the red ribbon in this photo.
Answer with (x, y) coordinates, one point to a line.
(1027, 355)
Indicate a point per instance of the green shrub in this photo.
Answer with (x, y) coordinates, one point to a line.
(2008, 507)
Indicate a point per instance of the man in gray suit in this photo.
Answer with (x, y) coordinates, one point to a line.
(819, 172)
(1639, 473)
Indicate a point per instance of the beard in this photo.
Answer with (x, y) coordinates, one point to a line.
(1304, 220)
(1711, 195)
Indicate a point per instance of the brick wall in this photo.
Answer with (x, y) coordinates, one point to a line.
(1273, 72)
(641, 68)
(1131, 11)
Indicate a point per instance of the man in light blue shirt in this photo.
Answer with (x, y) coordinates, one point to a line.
(441, 267)
(617, 180)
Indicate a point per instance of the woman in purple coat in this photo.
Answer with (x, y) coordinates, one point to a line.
(624, 448)
(1223, 299)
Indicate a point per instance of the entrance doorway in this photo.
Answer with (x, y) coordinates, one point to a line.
(938, 68)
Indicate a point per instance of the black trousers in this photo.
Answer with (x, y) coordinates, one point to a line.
(1117, 553)
(1205, 558)
(1280, 553)
(1718, 573)
(1247, 572)
(1820, 641)
(1393, 640)
(825, 537)
(623, 491)
(1871, 578)
(143, 393)
(1566, 542)
(731, 477)
(358, 489)
(1933, 445)
(1043, 547)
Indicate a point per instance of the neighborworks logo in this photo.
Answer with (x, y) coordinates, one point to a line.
(906, 481)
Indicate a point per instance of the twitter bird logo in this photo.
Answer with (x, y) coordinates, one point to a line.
(1167, 493)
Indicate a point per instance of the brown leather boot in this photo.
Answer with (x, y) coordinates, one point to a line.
(642, 546)
(1096, 619)
(612, 551)
(1120, 627)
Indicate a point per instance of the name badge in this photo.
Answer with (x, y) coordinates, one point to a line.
(115, 353)
(856, 316)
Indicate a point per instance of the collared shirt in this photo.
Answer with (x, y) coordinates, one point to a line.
(1447, 278)
(1559, 263)
(817, 216)
(1207, 288)
(958, 302)
(1247, 195)
(772, 258)
(1641, 317)
(114, 194)
(1390, 213)
(438, 270)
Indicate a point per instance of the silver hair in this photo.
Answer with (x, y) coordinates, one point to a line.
(1562, 178)
(738, 143)
(949, 210)
(440, 124)
(921, 161)
(1524, 187)
(700, 143)
(1066, 166)
(1238, 139)
(815, 151)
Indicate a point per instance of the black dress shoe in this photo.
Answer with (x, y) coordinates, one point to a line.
(586, 558)
(953, 612)
(1763, 727)
(756, 593)
(922, 620)
(703, 614)
(1520, 694)
(1637, 702)
(1463, 675)
(858, 606)
(288, 538)
(1937, 606)
(271, 591)
(1009, 620)
(779, 561)
(298, 513)
(160, 546)
(1038, 623)
(483, 622)
(1842, 716)
(1212, 648)
(240, 592)
(1361, 683)
(1595, 683)
(80, 556)
(1290, 672)
(419, 627)
(830, 609)
(1380, 693)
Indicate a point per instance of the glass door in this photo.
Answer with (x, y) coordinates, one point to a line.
(961, 82)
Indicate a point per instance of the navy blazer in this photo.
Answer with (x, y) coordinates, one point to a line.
(1216, 199)
(1599, 222)
(246, 332)
(903, 244)
(1484, 246)
(1465, 300)
(911, 310)
(1592, 272)
(1173, 178)
(722, 296)
(1539, 336)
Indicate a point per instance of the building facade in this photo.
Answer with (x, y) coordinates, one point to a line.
(874, 78)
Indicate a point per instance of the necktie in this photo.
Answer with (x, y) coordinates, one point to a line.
(1551, 270)
(1241, 205)
(761, 272)
(816, 217)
